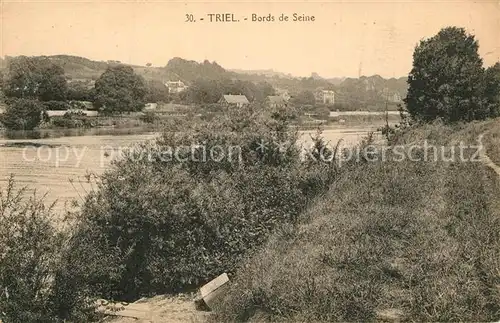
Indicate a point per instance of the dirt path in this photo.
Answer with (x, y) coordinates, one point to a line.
(486, 160)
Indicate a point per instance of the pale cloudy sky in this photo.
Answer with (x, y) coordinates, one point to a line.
(346, 38)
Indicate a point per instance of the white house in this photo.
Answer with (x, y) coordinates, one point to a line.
(325, 96)
(176, 86)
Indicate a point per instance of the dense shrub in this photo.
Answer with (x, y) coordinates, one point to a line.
(72, 119)
(22, 114)
(56, 105)
(166, 221)
(148, 117)
(30, 249)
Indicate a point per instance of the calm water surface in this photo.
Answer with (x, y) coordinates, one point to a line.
(58, 167)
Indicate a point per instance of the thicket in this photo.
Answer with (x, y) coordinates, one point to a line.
(31, 244)
(165, 219)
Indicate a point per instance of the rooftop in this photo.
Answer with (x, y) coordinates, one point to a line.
(276, 99)
(229, 98)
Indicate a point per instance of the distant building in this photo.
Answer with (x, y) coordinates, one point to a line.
(325, 96)
(176, 86)
(284, 94)
(391, 96)
(394, 98)
(275, 101)
(234, 100)
(150, 106)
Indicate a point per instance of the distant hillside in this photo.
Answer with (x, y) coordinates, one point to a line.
(192, 70)
(266, 73)
(360, 92)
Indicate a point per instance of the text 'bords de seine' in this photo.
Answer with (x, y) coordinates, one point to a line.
(232, 18)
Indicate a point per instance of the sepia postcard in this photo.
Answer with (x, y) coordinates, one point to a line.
(249, 161)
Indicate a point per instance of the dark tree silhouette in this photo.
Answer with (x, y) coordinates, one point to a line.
(119, 90)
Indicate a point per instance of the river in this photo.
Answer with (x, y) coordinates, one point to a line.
(57, 167)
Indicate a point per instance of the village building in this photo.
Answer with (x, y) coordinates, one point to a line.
(274, 101)
(234, 100)
(325, 96)
(394, 97)
(176, 86)
(150, 106)
(284, 94)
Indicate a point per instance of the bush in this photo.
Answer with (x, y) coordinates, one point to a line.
(158, 224)
(22, 114)
(149, 117)
(57, 105)
(30, 250)
(447, 80)
(72, 119)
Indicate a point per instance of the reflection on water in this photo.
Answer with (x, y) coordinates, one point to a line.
(73, 132)
(59, 166)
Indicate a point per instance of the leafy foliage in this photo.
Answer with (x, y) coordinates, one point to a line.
(304, 97)
(156, 92)
(119, 89)
(73, 119)
(22, 114)
(446, 80)
(165, 220)
(56, 105)
(30, 250)
(492, 89)
(80, 91)
(35, 78)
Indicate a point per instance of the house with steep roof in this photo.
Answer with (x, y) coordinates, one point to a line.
(234, 100)
(284, 94)
(273, 101)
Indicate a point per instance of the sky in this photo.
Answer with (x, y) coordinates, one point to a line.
(346, 39)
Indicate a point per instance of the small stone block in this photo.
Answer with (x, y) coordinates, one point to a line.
(210, 292)
(211, 286)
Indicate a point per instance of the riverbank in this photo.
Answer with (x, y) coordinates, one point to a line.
(134, 125)
(60, 166)
(418, 239)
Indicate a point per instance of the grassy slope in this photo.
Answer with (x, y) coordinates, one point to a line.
(420, 237)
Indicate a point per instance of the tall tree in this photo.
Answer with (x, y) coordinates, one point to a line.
(304, 98)
(492, 89)
(53, 85)
(22, 114)
(35, 78)
(157, 92)
(119, 90)
(446, 80)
